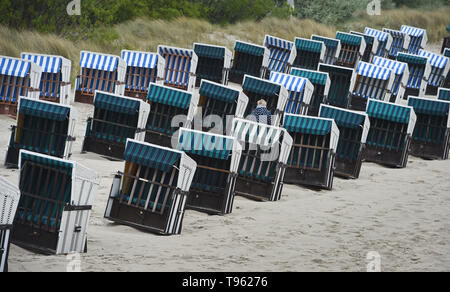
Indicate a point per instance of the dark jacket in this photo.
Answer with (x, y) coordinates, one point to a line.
(263, 115)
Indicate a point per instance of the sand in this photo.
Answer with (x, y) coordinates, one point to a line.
(402, 214)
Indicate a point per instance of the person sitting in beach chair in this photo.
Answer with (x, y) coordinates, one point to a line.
(262, 114)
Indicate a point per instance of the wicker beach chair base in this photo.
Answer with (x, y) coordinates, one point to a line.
(104, 148)
(393, 158)
(212, 203)
(84, 97)
(357, 103)
(236, 78)
(430, 150)
(431, 90)
(8, 109)
(350, 169)
(411, 92)
(158, 139)
(12, 157)
(320, 179)
(136, 94)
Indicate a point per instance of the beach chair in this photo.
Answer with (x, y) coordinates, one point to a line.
(218, 103)
(249, 59)
(384, 41)
(352, 50)
(18, 77)
(447, 78)
(55, 205)
(353, 130)
(152, 191)
(181, 65)
(116, 118)
(170, 109)
(401, 76)
(213, 187)
(55, 79)
(282, 54)
(332, 48)
(440, 67)
(142, 69)
(431, 137)
(371, 82)
(419, 74)
(274, 94)
(342, 80)
(214, 63)
(300, 92)
(400, 42)
(321, 82)
(418, 38)
(443, 94)
(43, 127)
(313, 154)
(264, 157)
(391, 129)
(100, 72)
(309, 53)
(372, 45)
(9, 200)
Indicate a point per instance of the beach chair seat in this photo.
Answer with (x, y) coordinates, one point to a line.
(300, 92)
(332, 48)
(440, 67)
(401, 76)
(391, 129)
(418, 38)
(419, 74)
(282, 54)
(217, 157)
(249, 59)
(353, 130)
(371, 82)
(152, 191)
(431, 135)
(384, 41)
(142, 69)
(181, 65)
(352, 49)
(309, 53)
(100, 72)
(43, 127)
(264, 157)
(312, 158)
(273, 93)
(9, 200)
(371, 46)
(214, 63)
(400, 42)
(55, 205)
(342, 80)
(116, 118)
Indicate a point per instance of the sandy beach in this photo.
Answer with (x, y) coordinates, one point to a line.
(402, 214)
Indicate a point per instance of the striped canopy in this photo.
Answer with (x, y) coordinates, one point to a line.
(163, 50)
(249, 49)
(389, 111)
(397, 67)
(256, 133)
(444, 94)
(435, 60)
(349, 39)
(48, 161)
(368, 38)
(413, 31)
(343, 118)
(291, 82)
(316, 78)
(329, 43)
(116, 103)
(412, 59)
(271, 41)
(261, 86)
(429, 106)
(140, 59)
(205, 144)
(381, 36)
(307, 125)
(209, 51)
(98, 61)
(169, 96)
(218, 92)
(308, 45)
(49, 64)
(395, 33)
(280, 52)
(373, 71)
(43, 110)
(14, 67)
(151, 156)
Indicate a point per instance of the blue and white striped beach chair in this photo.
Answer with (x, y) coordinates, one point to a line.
(440, 67)
(352, 49)
(401, 73)
(332, 48)
(214, 63)
(384, 41)
(418, 37)
(249, 59)
(282, 54)
(419, 74)
(309, 53)
(400, 42)
(371, 46)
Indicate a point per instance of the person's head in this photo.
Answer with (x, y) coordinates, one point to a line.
(262, 102)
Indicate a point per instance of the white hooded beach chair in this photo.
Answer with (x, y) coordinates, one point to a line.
(332, 48)
(440, 66)
(384, 41)
(419, 74)
(214, 63)
(371, 46)
(342, 81)
(401, 73)
(249, 59)
(352, 49)
(400, 42)
(55, 204)
(309, 53)
(418, 38)
(282, 54)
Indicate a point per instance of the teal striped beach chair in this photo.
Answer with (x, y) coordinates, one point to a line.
(321, 82)
(371, 46)
(249, 59)
(313, 153)
(419, 74)
(265, 151)
(401, 73)
(9, 200)
(214, 63)
(213, 187)
(400, 42)
(282, 54)
(309, 53)
(440, 66)
(384, 41)
(444, 94)
(43, 127)
(431, 135)
(391, 129)
(353, 130)
(418, 38)
(55, 204)
(116, 118)
(352, 49)
(342, 80)
(332, 48)
(152, 191)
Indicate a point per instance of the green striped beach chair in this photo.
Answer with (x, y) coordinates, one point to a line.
(342, 80)
(391, 129)
(419, 74)
(431, 135)
(249, 59)
(352, 49)
(55, 204)
(309, 53)
(152, 191)
(313, 153)
(116, 118)
(372, 45)
(43, 127)
(214, 63)
(332, 48)
(265, 151)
